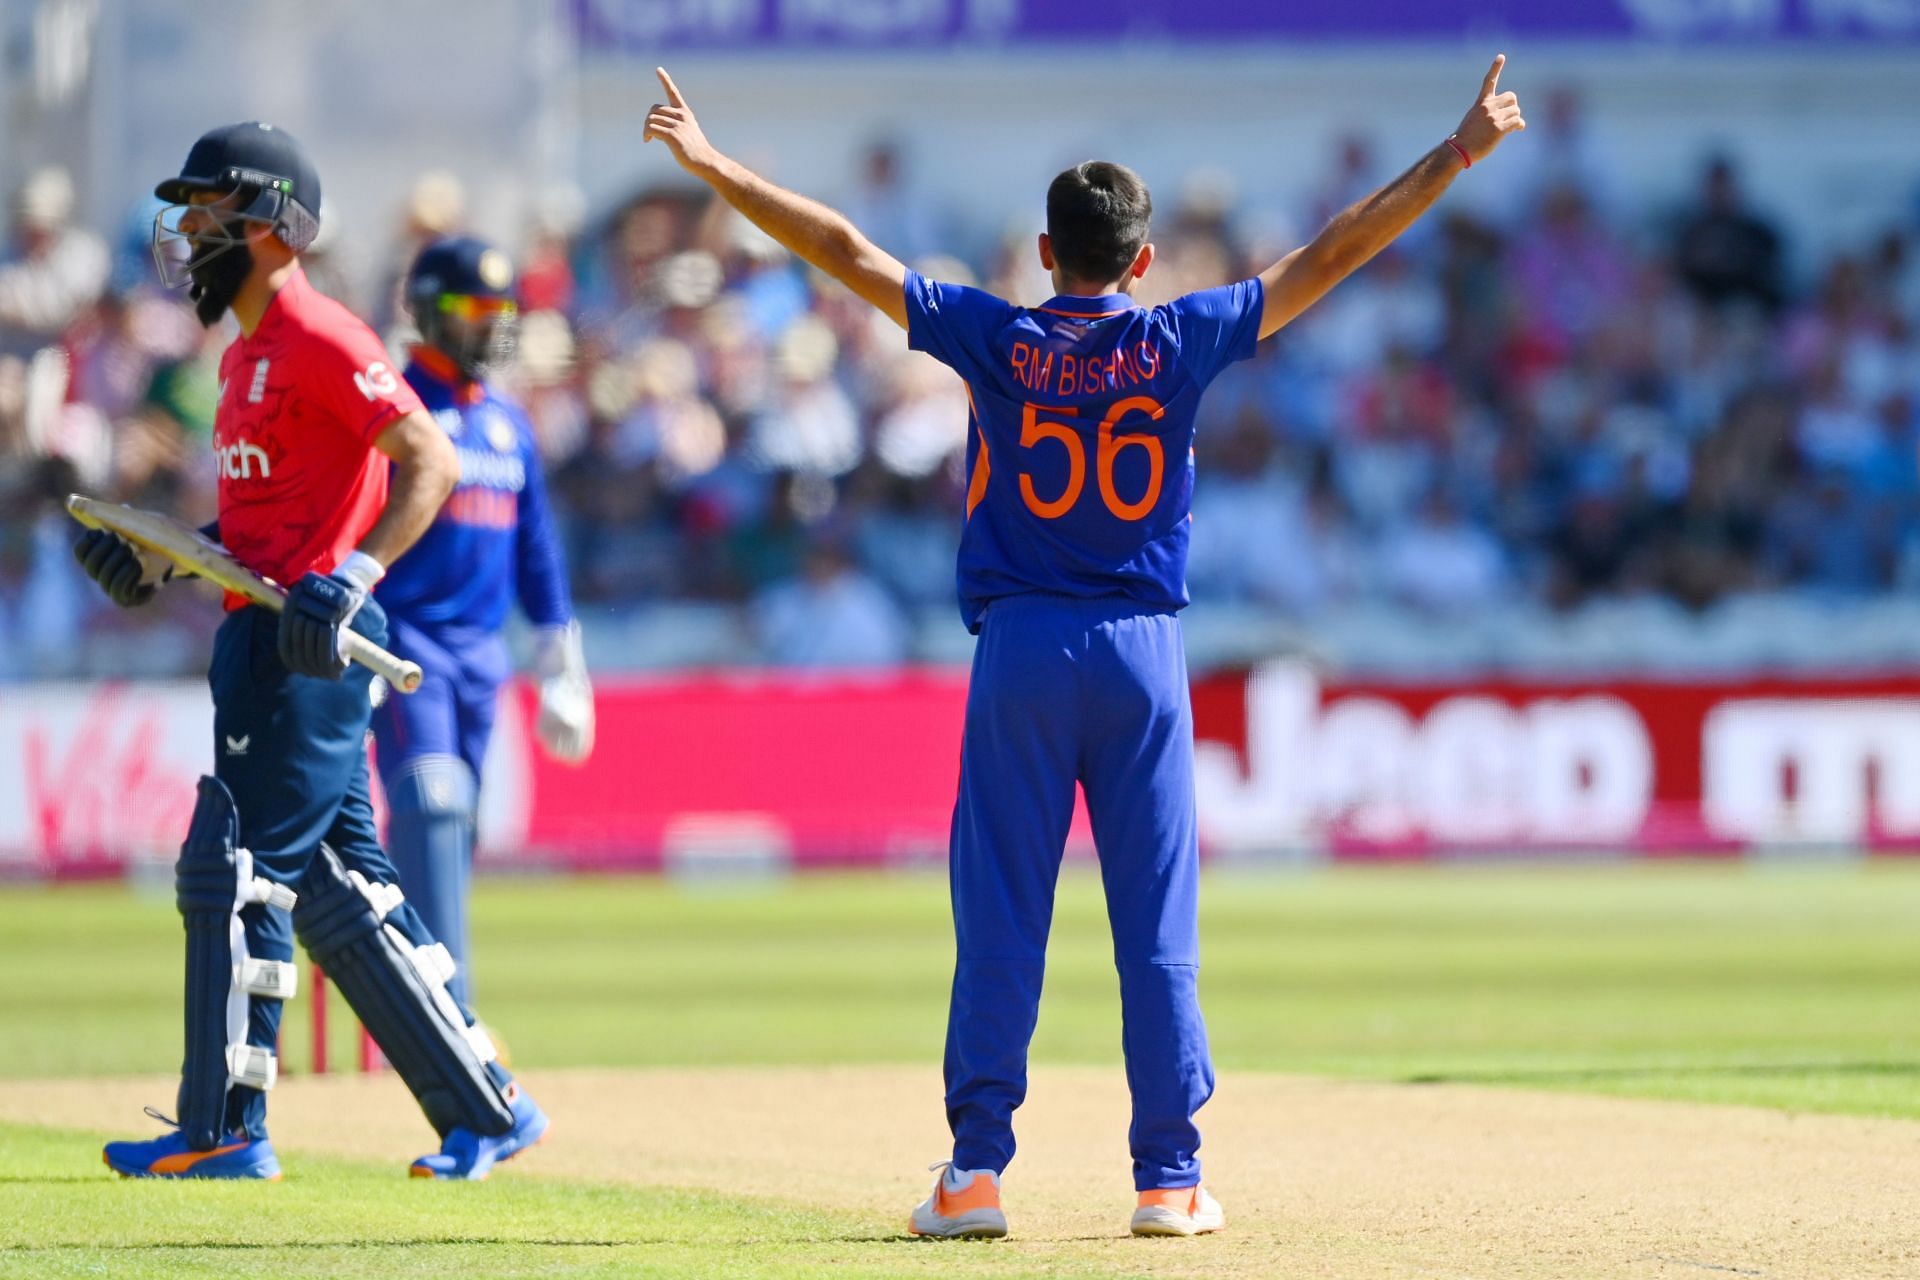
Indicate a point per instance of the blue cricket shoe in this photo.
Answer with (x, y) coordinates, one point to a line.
(471, 1156)
(169, 1156)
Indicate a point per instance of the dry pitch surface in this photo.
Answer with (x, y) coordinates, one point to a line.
(1319, 1178)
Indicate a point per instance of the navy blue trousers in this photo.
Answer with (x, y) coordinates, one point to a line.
(1092, 692)
(442, 728)
(452, 713)
(293, 751)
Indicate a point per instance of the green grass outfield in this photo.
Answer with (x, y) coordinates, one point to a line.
(60, 1217)
(1786, 986)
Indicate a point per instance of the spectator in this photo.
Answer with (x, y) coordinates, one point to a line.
(809, 425)
(1543, 412)
(436, 207)
(1726, 253)
(1439, 563)
(894, 215)
(830, 616)
(1570, 157)
(53, 270)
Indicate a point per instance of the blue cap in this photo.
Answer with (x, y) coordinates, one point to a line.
(463, 265)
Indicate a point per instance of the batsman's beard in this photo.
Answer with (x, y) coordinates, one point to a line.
(217, 280)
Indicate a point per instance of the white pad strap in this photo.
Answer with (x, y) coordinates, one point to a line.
(481, 1043)
(274, 895)
(270, 979)
(385, 899)
(249, 1065)
(433, 963)
(252, 1066)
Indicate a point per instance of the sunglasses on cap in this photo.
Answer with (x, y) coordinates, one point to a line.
(466, 306)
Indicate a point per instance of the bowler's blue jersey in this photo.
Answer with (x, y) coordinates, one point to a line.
(494, 537)
(1080, 453)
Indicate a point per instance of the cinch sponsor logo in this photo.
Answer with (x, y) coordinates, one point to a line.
(493, 470)
(236, 461)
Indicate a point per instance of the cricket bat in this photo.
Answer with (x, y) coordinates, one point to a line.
(158, 535)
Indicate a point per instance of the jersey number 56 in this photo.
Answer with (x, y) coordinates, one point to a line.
(1034, 429)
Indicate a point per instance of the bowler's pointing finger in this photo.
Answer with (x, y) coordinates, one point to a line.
(673, 91)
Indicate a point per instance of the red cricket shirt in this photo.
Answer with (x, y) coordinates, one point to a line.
(301, 401)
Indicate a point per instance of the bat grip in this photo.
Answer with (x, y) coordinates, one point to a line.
(398, 672)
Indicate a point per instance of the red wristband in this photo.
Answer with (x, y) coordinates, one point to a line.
(1466, 160)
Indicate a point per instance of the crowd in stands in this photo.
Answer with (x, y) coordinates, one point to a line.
(1581, 399)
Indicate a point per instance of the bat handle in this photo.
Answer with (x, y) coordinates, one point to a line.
(398, 672)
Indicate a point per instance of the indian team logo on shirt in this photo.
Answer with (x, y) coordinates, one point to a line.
(500, 433)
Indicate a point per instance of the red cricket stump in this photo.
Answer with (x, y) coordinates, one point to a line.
(368, 1056)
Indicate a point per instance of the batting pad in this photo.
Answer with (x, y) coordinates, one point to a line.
(212, 881)
(399, 992)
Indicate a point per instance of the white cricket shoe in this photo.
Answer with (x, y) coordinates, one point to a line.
(965, 1205)
(1178, 1211)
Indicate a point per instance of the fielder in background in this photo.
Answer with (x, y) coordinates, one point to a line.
(329, 469)
(1072, 573)
(447, 600)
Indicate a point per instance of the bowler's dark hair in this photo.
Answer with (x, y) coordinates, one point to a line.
(1097, 218)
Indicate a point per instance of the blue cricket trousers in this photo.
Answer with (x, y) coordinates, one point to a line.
(452, 712)
(293, 750)
(1093, 691)
(443, 725)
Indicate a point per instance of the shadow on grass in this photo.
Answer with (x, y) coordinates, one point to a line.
(451, 1242)
(414, 1242)
(1570, 1074)
(33, 1179)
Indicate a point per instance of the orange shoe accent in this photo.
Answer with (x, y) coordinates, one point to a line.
(418, 1171)
(185, 1160)
(1179, 1199)
(980, 1194)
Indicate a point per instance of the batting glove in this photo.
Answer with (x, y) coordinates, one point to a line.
(565, 723)
(313, 626)
(111, 561)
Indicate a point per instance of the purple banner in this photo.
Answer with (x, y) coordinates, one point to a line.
(650, 26)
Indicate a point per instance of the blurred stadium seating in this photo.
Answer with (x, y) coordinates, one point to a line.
(1579, 426)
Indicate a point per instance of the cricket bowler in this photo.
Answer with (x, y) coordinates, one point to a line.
(329, 469)
(492, 543)
(1072, 573)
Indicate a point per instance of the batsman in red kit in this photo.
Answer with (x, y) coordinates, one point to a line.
(329, 469)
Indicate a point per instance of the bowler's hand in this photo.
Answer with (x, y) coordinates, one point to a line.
(111, 561)
(318, 609)
(1492, 118)
(672, 122)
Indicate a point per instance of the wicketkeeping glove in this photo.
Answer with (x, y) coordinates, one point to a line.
(318, 609)
(565, 724)
(111, 561)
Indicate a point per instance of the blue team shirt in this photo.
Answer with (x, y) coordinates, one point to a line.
(1080, 448)
(494, 537)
